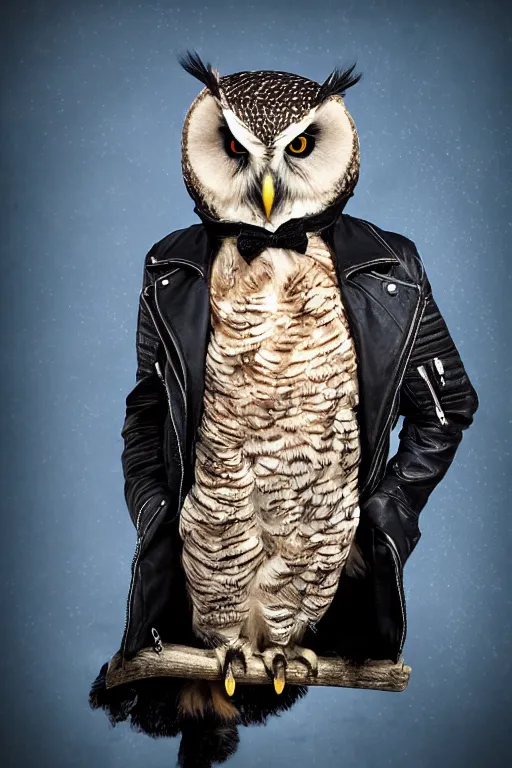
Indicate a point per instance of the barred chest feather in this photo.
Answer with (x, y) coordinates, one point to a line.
(268, 523)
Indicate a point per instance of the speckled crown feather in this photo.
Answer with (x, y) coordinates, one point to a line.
(267, 101)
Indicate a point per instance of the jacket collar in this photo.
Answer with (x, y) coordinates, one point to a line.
(357, 246)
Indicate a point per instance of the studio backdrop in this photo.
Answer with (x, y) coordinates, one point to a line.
(93, 103)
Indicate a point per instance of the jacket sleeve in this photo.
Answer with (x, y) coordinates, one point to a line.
(145, 479)
(428, 439)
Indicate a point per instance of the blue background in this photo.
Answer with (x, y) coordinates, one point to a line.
(92, 107)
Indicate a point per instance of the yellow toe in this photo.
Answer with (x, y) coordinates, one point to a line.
(279, 681)
(229, 682)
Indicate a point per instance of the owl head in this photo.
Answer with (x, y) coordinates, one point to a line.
(264, 147)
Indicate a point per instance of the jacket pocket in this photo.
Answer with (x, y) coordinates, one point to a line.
(144, 507)
(150, 519)
(173, 445)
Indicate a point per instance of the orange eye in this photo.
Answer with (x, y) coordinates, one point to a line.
(298, 145)
(237, 148)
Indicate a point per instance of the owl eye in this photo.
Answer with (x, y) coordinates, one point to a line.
(232, 146)
(237, 148)
(302, 145)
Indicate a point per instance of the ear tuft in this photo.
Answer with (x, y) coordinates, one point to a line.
(191, 63)
(337, 83)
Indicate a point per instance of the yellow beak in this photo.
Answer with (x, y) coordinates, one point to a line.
(268, 194)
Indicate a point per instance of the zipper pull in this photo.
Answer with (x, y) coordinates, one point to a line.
(439, 411)
(440, 415)
(158, 647)
(440, 369)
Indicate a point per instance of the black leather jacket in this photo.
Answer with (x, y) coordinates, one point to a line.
(407, 365)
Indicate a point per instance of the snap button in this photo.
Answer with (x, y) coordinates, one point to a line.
(392, 288)
(153, 259)
(165, 282)
(162, 502)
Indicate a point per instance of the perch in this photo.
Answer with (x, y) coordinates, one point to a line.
(186, 662)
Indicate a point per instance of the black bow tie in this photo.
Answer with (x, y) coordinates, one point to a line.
(252, 240)
(291, 234)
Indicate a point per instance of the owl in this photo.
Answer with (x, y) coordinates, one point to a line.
(268, 524)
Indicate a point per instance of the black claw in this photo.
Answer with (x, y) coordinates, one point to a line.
(269, 672)
(231, 655)
(225, 669)
(277, 660)
(239, 654)
(227, 661)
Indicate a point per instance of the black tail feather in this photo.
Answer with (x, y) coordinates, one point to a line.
(151, 706)
(202, 746)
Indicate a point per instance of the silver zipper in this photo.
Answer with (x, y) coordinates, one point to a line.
(129, 600)
(439, 411)
(196, 268)
(143, 296)
(396, 558)
(388, 279)
(136, 555)
(162, 379)
(135, 562)
(182, 262)
(140, 513)
(380, 260)
(440, 369)
(158, 647)
(171, 334)
(376, 456)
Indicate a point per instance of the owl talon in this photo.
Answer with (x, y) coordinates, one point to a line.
(275, 664)
(226, 654)
(305, 656)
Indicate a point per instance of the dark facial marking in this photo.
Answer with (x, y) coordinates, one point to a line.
(233, 148)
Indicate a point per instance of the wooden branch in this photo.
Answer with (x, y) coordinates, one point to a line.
(182, 661)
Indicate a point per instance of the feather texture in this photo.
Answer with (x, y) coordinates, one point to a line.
(270, 519)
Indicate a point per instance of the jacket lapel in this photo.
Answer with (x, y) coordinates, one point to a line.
(380, 320)
(181, 302)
